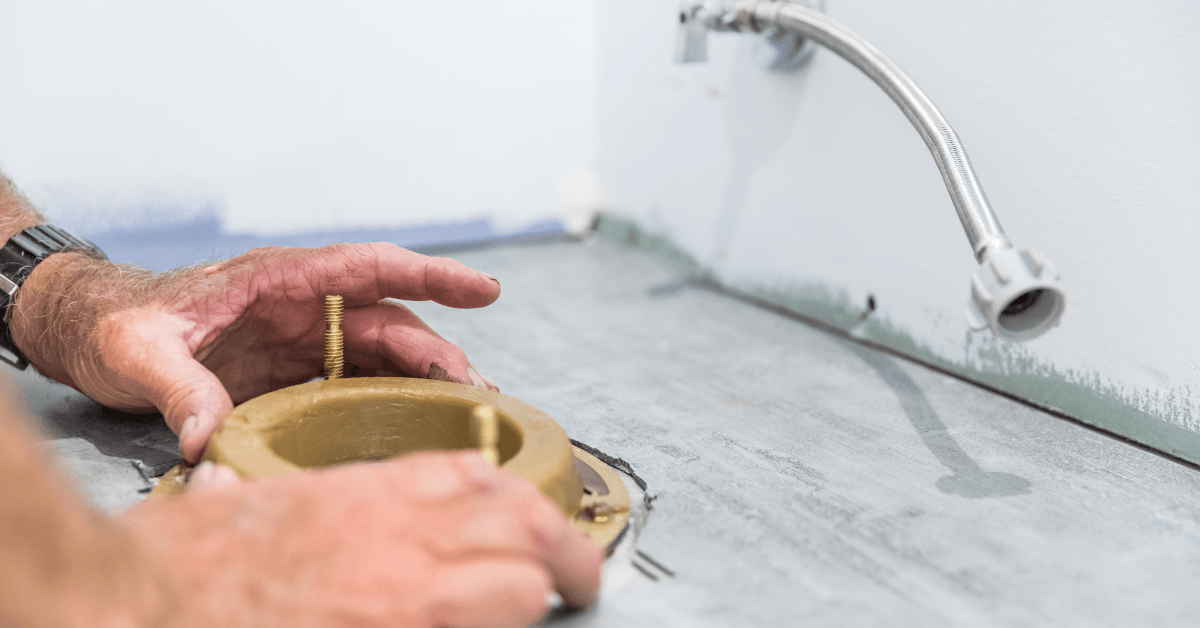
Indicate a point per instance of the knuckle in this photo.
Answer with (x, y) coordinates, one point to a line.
(447, 353)
(255, 258)
(453, 351)
(466, 531)
(426, 463)
(172, 397)
(339, 247)
(335, 257)
(385, 248)
(528, 492)
(261, 251)
(545, 520)
(431, 476)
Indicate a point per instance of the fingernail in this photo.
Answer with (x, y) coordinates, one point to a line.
(477, 380)
(192, 436)
(185, 430)
(490, 277)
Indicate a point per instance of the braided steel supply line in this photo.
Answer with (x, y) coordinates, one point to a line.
(980, 223)
(1016, 293)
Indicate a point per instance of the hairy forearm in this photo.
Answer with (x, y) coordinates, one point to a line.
(59, 304)
(58, 307)
(44, 344)
(62, 563)
(67, 299)
(16, 212)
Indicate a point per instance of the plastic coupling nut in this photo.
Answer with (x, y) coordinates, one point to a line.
(1016, 293)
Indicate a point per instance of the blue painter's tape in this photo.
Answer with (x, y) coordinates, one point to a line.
(167, 247)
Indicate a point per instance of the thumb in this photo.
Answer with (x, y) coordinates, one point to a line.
(191, 398)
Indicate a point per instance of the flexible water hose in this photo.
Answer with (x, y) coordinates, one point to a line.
(980, 223)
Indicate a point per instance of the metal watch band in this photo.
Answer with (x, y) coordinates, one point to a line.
(18, 257)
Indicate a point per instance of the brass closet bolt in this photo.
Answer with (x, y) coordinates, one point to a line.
(334, 341)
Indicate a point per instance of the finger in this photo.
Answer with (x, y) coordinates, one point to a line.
(365, 273)
(573, 558)
(442, 475)
(518, 519)
(490, 593)
(389, 332)
(194, 403)
(155, 362)
(208, 475)
(481, 381)
(191, 398)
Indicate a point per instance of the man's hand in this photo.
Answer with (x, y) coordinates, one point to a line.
(430, 539)
(194, 342)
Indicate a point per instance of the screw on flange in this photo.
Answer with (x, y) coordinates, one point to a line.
(334, 341)
(600, 512)
(486, 427)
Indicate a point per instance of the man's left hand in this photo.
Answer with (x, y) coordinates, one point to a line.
(194, 342)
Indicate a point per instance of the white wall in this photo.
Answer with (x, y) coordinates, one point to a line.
(297, 115)
(809, 188)
(1081, 118)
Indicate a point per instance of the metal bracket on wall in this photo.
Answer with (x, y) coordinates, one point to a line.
(778, 49)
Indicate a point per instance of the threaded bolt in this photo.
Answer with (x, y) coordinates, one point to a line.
(486, 426)
(334, 341)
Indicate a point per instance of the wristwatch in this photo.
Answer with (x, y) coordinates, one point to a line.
(18, 257)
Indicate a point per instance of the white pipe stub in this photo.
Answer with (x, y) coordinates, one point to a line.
(1017, 294)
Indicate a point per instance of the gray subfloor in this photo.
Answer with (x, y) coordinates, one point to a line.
(798, 479)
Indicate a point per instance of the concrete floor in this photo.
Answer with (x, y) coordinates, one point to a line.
(798, 479)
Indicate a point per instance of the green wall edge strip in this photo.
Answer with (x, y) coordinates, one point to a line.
(1149, 418)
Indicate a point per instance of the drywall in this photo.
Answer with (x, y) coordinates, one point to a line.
(281, 117)
(811, 189)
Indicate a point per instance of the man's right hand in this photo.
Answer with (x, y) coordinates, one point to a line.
(430, 539)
